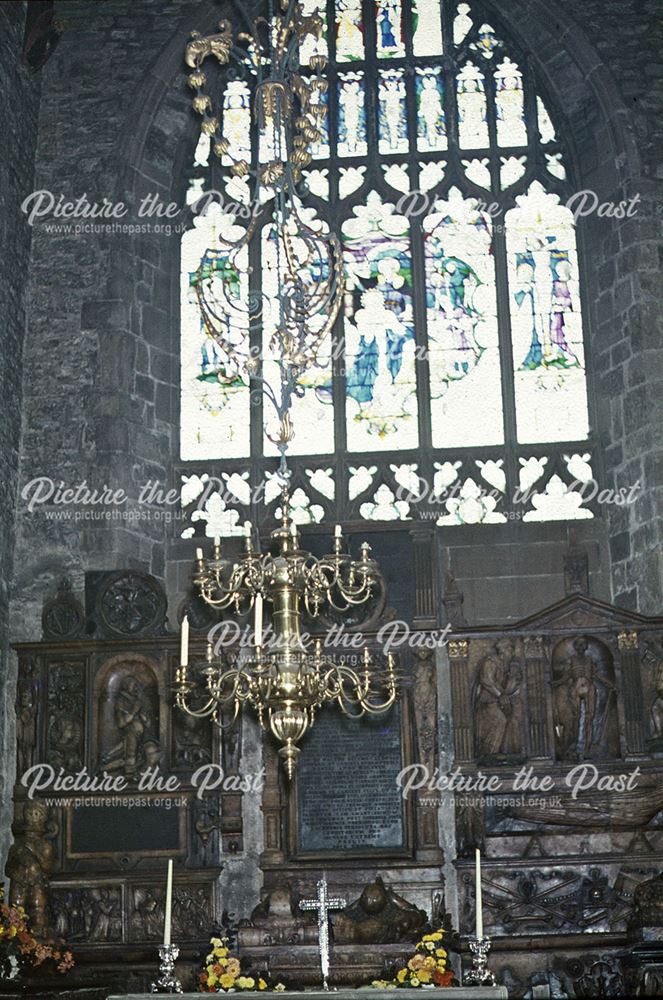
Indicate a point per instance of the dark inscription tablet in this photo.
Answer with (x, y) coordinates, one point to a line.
(348, 799)
(115, 829)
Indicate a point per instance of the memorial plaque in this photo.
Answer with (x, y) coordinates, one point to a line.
(143, 829)
(347, 796)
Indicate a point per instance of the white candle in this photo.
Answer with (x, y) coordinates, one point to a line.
(247, 529)
(258, 621)
(479, 897)
(169, 903)
(338, 531)
(199, 554)
(217, 541)
(184, 642)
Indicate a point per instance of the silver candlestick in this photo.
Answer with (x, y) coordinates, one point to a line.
(167, 981)
(479, 974)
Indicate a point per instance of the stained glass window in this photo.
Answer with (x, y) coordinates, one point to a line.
(457, 356)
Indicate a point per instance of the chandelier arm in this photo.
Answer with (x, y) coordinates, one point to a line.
(198, 713)
(217, 717)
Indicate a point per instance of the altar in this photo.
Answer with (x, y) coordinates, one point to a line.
(452, 992)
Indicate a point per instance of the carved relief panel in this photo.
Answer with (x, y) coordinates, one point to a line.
(65, 726)
(128, 716)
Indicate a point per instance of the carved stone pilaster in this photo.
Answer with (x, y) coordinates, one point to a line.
(540, 731)
(425, 715)
(425, 577)
(632, 684)
(459, 650)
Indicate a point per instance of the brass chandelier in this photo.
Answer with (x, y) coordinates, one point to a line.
(286, 681)
(288, 112)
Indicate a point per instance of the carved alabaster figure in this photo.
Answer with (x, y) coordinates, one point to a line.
(498, 703)
(30, 861)
(276, 920)
(379, 916)
(582, 701)
(133, 721)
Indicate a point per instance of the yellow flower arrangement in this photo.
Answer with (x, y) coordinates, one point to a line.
(223, 972)
(428, 966)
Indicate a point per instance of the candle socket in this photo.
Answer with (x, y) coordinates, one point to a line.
(167, 981)
(479, 974)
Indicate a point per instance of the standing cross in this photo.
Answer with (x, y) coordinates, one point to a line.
(323, 904)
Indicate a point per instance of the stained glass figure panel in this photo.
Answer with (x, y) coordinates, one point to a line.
(237, 121)
(349, 31)
(381, 398)
(214, 387)
(463, 339)
(546, 321)
(471, 97)
(352, 115)
(430, 105)
(312, 412)
(427, 28)
(389, 18)
(393, 115)
(509, 104)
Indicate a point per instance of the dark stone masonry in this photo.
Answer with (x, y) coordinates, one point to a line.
(19, 123)
(89, 327)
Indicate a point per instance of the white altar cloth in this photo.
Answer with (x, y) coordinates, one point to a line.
(451, 993)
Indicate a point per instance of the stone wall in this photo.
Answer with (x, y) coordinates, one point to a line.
(18, 126)
(620, 151)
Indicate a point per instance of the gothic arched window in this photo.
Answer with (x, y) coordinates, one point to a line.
(455, 383)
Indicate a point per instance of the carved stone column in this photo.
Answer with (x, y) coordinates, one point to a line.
(425, 715)
(632, 691)
(459, 650)
(540, 729)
